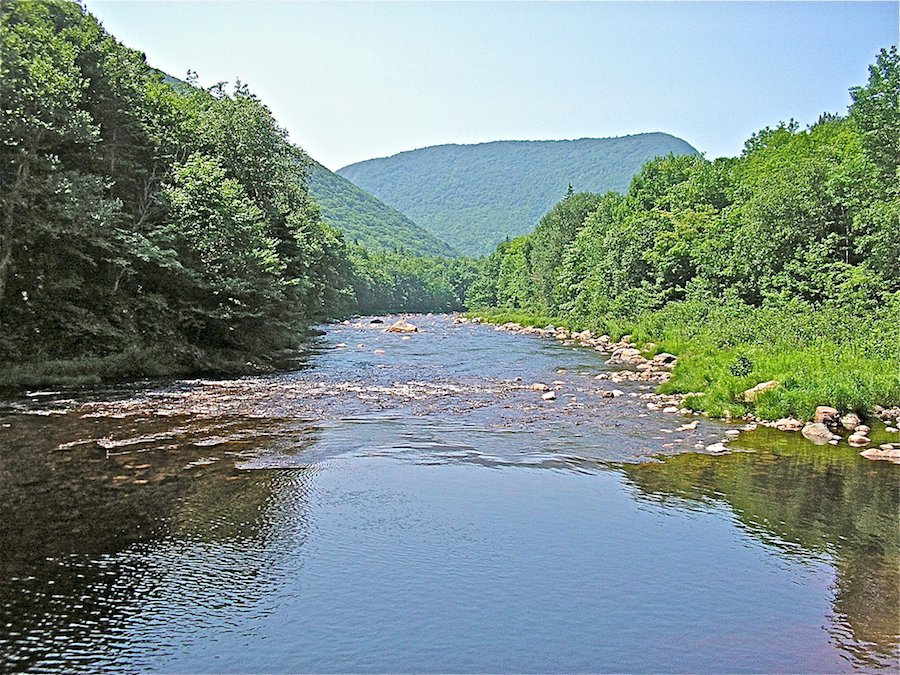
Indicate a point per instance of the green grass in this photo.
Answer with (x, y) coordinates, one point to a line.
(820, 356)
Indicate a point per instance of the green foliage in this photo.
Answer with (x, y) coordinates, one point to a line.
(386, 281)
(778, 264)
(475, 196)
(142, 217)
(367, 222)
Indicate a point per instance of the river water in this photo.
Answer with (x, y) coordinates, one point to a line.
(407, 503)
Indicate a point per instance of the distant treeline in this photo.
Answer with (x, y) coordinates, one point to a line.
(155, 219)
(805, 222)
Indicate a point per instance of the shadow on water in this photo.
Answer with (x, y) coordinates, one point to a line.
(806, 500)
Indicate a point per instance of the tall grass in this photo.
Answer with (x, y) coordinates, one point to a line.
(819, 355)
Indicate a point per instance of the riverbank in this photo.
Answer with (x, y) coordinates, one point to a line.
(724, 351)
(139, 364)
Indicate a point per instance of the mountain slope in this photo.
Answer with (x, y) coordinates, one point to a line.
(365, 220)
(472, 196)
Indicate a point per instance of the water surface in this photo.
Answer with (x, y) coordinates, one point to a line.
(423, 510)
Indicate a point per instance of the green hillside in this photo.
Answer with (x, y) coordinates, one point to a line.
(474, 196)
(365, 220)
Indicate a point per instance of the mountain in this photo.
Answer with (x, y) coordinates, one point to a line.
(473, 196)
(367, 221)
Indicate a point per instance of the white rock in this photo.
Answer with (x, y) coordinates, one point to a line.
(549, 396)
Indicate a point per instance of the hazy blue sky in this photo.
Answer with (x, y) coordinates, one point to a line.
(356, 80)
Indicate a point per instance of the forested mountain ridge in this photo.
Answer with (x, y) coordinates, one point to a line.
(474, 196)
(365, 220)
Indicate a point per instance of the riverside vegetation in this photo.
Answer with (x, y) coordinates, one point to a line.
(777, 265)
(149, 226)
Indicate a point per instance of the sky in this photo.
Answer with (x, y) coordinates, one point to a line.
(355, 80)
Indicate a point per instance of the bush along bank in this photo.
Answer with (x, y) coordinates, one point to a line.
(818, 384)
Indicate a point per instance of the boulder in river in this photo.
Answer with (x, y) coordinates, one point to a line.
(788, 424)
(827, 415)
(402, 326)
(817, 432)
(549, 396)
(540, 386)
(850, 421)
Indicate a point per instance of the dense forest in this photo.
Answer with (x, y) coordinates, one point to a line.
(474, 196)
(148, 225)
(780, 264)
(366, 221)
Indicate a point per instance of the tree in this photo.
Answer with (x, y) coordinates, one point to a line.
(876, 109)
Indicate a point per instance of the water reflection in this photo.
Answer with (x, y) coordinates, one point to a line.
(806, 500)
(167, 526)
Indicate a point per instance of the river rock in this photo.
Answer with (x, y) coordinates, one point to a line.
(377, 321)
(690, 426)
(858, 439)
(892, 455)
(402, 326)
(549, 396)
(752, 394)
(717, 448)
(788, 424)
(540, 386)
(826, 415)
(892, 430)
(850, 421)
(733, 433)
(817, 432)
(664, 359)
(862, 429)
(340, 345)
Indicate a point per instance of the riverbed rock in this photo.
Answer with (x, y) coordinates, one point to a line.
(892, 455)
(892, 430)
(862, 428)
(733, 433)
(788, 424)
(402, 326)
(850, 421)
(540, 386)
(827, 415)
(690, 426)
(858, 440)
(817, 432)
(717, 448)
(752, 394)
(549, 396)
(664, 359)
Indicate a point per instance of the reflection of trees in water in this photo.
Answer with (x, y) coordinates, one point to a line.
(824, 499)
(94, 540)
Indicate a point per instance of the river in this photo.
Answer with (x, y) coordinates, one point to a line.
(407, 503)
